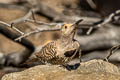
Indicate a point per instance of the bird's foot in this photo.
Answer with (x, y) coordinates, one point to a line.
(105, 59)
(71, 67)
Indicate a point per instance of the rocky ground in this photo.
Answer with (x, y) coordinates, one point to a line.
(91, 70)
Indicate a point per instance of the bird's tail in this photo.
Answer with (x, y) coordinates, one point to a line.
(33, 61)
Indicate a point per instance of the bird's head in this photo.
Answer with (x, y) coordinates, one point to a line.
(69, 29)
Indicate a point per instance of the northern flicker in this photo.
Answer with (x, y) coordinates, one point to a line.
(63, 50)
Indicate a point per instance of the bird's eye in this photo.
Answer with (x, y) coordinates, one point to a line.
(65, 27)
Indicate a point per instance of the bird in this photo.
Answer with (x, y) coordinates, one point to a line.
(62, 50)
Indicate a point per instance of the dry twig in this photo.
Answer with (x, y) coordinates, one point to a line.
(40, 22)
(112, 50)
(40, 30)
(103, 22)
(36, 31)
(91, 26)
(109, 19)
(12, 27)
(30, 13)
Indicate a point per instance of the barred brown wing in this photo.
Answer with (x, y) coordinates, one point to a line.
(47, 52)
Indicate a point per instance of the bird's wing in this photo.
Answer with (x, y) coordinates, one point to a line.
(48, 51)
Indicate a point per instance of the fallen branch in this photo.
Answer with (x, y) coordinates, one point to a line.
(15, 59)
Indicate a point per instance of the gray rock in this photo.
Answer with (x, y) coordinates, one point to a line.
(91, 70)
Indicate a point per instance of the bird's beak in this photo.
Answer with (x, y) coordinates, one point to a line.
(77, 23)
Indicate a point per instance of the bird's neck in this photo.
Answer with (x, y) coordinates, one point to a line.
(65, 40)
(68, 36)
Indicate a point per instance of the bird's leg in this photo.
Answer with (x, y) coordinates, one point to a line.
(71, 67)
(80, 55)
(77, 44)
(73, 54)
(74, 66)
